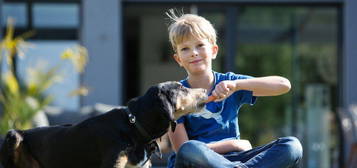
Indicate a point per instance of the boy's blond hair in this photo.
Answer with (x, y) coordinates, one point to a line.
(188, 25)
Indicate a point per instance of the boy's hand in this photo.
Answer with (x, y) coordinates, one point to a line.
(224, 89)
(231, 145)
(242, 145)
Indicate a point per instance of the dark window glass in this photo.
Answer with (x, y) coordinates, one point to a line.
(300, 43)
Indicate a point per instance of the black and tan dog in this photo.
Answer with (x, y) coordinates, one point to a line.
(101, 141)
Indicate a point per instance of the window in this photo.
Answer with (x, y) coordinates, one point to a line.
(56, 26)
(55, 15)
(45, 55)
(17, 11)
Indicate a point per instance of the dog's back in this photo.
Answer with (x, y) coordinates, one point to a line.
(34, 147)
(61, 146)
(58, 146)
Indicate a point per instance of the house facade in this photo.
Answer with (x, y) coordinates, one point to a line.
(311, 42)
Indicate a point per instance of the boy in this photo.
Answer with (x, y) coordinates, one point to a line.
(211, 138)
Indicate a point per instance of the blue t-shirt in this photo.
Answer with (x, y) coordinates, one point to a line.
(218, 120)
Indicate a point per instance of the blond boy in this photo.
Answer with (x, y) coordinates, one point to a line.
(211, 138)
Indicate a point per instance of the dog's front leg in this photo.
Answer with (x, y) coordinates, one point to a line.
(114, 160)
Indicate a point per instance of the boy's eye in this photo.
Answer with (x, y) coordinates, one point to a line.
(184, 49)
(201, 45)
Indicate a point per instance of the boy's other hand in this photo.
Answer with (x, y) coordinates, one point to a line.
(242, 145)
(224, 89)
(231, 145)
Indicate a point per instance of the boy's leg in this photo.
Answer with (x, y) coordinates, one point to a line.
(283, 153)
(196, 154)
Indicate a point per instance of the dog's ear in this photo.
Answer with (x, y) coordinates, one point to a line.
(10, 150)
(171, 109)
(167, 104)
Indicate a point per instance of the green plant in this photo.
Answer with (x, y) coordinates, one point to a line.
(20, 100)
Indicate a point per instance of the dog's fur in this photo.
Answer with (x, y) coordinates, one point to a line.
(103, 141)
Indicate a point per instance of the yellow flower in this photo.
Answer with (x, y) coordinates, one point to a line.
(78, 56)
(67, 54)
(82, 91)
(14, 46)
(11, 83)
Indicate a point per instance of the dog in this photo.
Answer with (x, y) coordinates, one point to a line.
(125, 134)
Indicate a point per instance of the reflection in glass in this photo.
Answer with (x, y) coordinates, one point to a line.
(299, 43)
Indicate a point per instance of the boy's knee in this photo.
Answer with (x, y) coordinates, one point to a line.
(293, 148)
(191, 149)
(191, 146)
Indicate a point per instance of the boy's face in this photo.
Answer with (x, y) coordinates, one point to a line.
(196, 55)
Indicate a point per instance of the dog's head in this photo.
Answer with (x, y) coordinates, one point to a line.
(14, 154)
(162, 104)
(182, 100)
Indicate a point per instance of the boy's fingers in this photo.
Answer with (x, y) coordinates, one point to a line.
(211, 98)
(230, 87)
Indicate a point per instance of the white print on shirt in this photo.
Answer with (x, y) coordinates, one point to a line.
(205, 113)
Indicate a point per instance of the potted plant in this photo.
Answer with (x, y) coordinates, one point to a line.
(21, 100)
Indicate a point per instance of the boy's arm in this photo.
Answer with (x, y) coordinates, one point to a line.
(260, 86)
(178, 137)
(265, 86)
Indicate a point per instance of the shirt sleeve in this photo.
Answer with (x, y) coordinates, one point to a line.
(246, 97)
(181, 120)
(243, 96)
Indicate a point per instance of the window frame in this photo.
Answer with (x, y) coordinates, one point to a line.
(45, 33)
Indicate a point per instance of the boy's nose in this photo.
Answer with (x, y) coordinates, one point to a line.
(194, 52)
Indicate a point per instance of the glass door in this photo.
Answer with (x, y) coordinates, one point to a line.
(300, 43)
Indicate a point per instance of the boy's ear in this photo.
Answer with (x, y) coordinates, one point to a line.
(214, 51)
(177, 59)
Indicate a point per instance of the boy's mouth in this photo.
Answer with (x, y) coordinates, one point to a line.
(196, 61)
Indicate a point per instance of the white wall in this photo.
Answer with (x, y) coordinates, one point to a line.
(101, 34)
